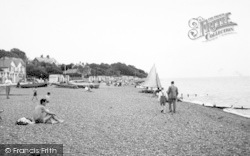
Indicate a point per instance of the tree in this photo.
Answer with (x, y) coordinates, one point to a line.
(42, 70)
(20, 54)
(70, 66)
(4, 53)
(117, 73)
(36, 71)
(53, 70)
(84, 70)
(63, 67)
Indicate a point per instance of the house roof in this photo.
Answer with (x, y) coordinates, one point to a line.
(6, 61)
(46, 60)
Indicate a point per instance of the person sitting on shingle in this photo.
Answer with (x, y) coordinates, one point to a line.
(43, 115)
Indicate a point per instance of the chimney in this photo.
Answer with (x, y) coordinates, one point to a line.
(41, 56)
(47, 56)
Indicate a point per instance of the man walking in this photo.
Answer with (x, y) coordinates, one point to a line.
(172, 97)
(8, 85)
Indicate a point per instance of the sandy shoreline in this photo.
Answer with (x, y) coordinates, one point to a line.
(121, 121)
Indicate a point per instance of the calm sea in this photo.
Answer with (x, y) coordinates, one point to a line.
(229, 91)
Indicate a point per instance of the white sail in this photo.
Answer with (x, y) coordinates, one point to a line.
(152, 79)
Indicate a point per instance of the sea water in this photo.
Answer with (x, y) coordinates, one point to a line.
(220, 91)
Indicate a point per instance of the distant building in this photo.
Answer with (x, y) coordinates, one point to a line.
(57, 78)
(46, 59)
(14, 68)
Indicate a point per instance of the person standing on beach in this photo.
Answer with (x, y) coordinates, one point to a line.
(172, 97)
(34, 94)
(47, 97)
(7, 83)
(163, 99)
(18, 84)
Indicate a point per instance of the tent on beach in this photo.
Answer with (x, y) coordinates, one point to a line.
(152, 80)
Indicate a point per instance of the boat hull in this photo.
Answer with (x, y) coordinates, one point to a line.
(65, 86)
(34, 85)
(83, 85)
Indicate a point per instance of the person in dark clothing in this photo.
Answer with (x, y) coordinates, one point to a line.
(172, 97)
(34, 94)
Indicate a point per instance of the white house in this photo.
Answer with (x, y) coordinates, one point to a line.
(14, 68)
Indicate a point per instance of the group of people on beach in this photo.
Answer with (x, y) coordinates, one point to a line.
(41, 114)
(170, 95)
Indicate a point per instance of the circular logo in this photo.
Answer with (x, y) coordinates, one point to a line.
(7, 150)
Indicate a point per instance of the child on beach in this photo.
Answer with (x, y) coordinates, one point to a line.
(43, 115)
(156, 92)
(34, 94)
(47, 97)
(163, 99)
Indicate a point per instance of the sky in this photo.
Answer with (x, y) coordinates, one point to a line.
(136, 32)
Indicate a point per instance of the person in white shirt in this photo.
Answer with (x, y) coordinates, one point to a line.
(87, 88)
(7, 84)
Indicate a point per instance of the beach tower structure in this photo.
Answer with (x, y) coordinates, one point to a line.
(152, 80)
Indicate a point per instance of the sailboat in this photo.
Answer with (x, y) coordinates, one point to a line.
(152, 81)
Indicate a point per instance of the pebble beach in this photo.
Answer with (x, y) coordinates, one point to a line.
(121, 121)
